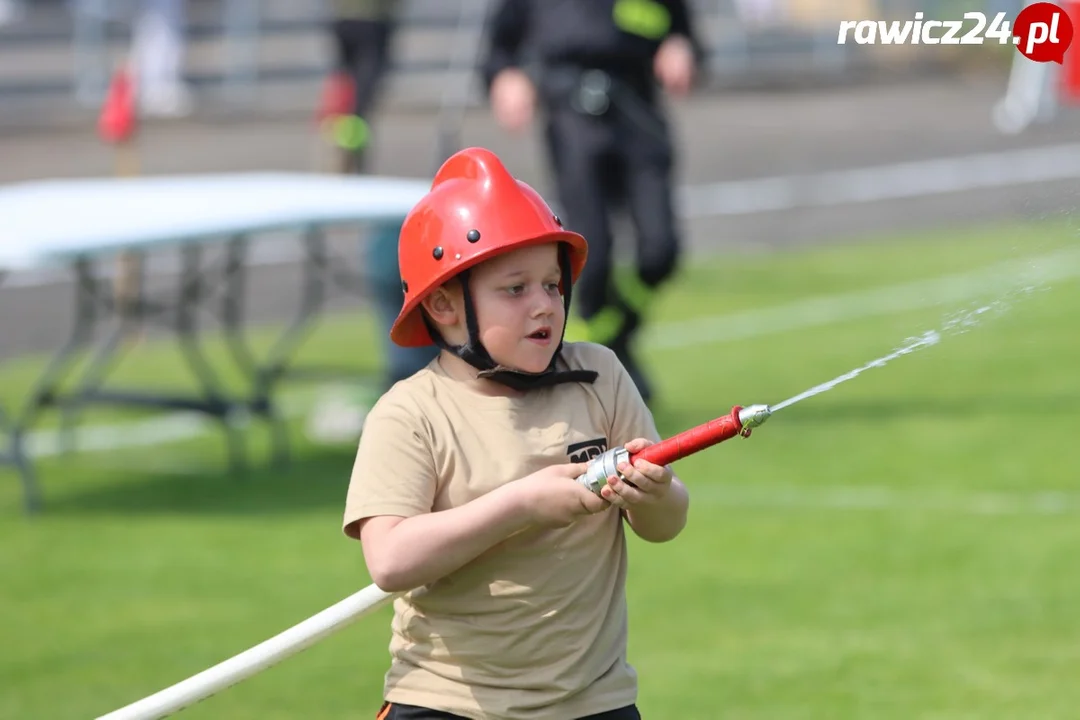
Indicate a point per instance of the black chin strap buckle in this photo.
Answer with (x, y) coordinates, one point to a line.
(521, 381)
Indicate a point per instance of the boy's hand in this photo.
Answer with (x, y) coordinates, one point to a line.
(641, 483)
(552, 498)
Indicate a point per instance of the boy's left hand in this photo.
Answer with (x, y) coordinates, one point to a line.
(642, 482)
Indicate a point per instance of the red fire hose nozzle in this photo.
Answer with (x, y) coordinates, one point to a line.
(740, 421)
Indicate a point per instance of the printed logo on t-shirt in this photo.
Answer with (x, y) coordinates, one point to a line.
(586, 451)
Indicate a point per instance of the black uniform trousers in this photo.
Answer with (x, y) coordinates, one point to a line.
(395, 711)
(619, 157)
(363, 52)
(363, 48)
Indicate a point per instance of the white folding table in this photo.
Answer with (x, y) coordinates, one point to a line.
(76, 224)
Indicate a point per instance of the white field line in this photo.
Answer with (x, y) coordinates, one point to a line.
(769, 496)
(772, 496)
(172, 427)
(756, 496)
(889, 300)
(894, 181)
(812, 312)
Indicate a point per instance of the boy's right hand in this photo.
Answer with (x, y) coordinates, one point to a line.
(552, 498)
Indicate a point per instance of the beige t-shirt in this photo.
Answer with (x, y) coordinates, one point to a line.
(536, 628)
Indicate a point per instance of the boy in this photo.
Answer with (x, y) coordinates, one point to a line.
(463, 488)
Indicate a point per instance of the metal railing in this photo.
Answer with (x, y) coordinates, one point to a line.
(748, 42)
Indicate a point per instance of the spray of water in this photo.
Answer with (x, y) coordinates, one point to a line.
(955, 324)
(930, 337)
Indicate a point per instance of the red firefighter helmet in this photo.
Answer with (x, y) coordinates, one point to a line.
(474, 211)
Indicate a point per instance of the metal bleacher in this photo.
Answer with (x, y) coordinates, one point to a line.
(277, 68)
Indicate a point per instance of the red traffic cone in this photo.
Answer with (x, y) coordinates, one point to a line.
(1069, 87)
(117, 121)
(337, 97)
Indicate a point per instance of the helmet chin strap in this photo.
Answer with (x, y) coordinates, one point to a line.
(474, 352)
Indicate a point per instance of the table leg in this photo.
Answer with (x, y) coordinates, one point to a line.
(44, 392)
(261, 402)
(180, 315)
(14, 454)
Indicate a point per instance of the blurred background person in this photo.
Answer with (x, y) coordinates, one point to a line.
(362, 32)
(11, 11)
(596, 70)
(381, 253)
(157, 57)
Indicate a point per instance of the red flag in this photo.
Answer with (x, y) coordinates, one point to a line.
(117, 121)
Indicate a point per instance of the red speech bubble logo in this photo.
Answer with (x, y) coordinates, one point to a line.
(1043, 32)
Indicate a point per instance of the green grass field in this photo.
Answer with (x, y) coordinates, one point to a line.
(904, 546)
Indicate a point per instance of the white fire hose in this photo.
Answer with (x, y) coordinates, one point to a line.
(255, 659)
(197, 687)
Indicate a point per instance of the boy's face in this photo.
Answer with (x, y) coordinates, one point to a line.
(519, 307)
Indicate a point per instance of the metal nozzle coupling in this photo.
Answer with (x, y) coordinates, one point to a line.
(596, 475)
(752, 416)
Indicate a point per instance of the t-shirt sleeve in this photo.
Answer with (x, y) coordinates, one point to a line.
(632, 418)
(394, 470)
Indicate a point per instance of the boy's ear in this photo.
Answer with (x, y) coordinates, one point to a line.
(440, 306)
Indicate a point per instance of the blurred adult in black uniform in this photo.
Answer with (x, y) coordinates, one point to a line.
(596, 68)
